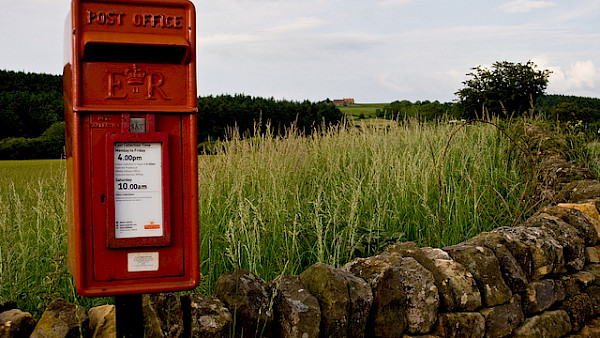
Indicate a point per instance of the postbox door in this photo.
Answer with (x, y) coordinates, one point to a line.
(140, 260)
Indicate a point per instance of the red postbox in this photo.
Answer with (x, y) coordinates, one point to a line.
(130, 114)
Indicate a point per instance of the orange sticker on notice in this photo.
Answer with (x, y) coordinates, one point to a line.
(152, 226)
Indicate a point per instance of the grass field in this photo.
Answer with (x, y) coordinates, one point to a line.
(33, 237)
(362, 110)
(279, 204)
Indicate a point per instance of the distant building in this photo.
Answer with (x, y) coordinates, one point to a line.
(343, 102)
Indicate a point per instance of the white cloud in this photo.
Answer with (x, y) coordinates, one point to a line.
(290, 42)
(265, 35)
(454, 76)
(524, 6)
(394, 83)
(580, 75)
(227, 39)
(580, 78)
(393, 3)
(47, 2)
(299, 24)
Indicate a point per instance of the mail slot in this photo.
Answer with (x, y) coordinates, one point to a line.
(130, 113)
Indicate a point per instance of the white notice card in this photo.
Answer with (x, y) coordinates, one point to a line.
(138, 189)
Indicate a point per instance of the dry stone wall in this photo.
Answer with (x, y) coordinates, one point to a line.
(538, 279)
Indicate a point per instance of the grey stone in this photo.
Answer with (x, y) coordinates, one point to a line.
(591, 255)
(340, 296)
(547, 324)
(579, 309)
(594, 293)
(163, 315)
(518, 249)
(590, 211)
(594, 270)
(546, 253)
(422, 298)
(361, 301)
(205, 316)
(296, 310)
(103, 321)
(62, 319)
(590, 330)
(498, 240)
(460, 325)
(575, 283)
(249, 300)
(584, 190)
(388, 314)
(410, 249)
(331, 290)
(555, 169)
(511, 269)
(15, 323)
(456, 285)
(483, 265)
(501, 320)
(542, 294)
(586, 226)
(568, 237)
(435, 253)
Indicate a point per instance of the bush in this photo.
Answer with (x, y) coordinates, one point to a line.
(48, 145)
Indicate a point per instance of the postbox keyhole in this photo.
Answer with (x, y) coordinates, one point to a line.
(102, 197)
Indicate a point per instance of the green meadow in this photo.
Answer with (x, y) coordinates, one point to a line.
(277, 204)
(362, 110)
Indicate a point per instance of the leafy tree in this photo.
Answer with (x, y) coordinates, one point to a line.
(505, 89)
(51, 142)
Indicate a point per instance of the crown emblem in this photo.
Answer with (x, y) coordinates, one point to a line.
(134, 76)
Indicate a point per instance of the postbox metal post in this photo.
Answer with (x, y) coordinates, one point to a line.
(130, 316)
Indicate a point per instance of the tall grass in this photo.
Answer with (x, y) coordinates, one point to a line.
(33, 237)
(278, 204)
(593, 161)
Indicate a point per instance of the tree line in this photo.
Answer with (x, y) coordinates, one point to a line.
(251, 115)
(421, 110)
(560, 108)
(31, 108)
(32, 117)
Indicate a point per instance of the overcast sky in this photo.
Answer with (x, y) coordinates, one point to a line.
(369, 50)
